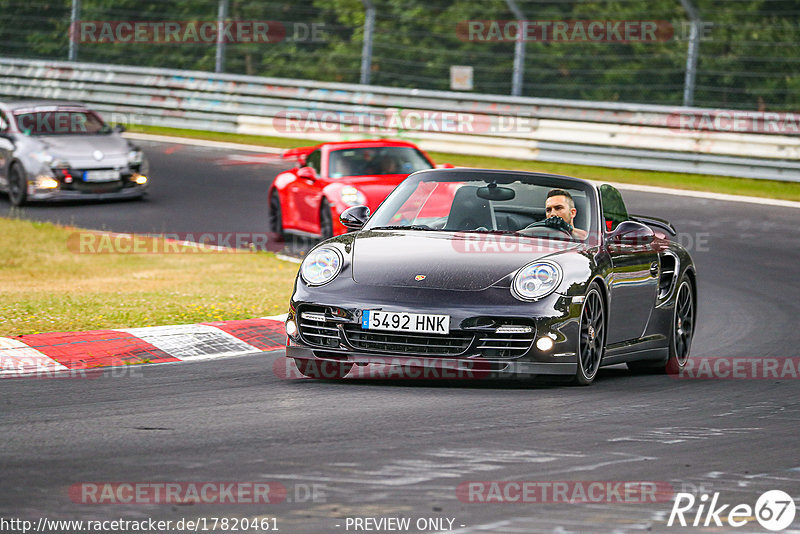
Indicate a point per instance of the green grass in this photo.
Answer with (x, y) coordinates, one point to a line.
(695, 182)
(48, 285)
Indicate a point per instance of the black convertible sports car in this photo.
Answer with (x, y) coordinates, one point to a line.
(512, 272)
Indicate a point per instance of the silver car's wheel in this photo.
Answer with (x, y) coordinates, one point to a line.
(17, 186)
(592, 338)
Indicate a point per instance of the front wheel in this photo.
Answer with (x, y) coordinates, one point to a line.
(17, 186)
(592, 338)
(322, 368)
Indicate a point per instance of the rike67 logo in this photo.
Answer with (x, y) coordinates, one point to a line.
(774, 510)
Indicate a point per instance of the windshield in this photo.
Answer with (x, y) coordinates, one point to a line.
(376, 161)
(60, 122)
(498, 203)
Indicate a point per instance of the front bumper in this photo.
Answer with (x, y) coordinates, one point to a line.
(476, 341)
(54, 195)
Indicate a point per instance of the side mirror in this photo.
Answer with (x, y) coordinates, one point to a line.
(119, 128)
(354, 218)
(307, 173)
(632, 233)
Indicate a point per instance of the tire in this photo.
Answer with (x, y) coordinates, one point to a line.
(325, 220)
(322, 368)
(680, 336)
(275, 218)
(591, 338)
(17, 186)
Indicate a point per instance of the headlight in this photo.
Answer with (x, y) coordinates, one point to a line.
(49, 160)
(536, 280)
(321, 266)
(135, 157)
(352, 196)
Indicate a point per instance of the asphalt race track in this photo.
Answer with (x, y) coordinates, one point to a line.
(376, 448)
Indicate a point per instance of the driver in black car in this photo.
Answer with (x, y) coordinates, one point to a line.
(560, 212)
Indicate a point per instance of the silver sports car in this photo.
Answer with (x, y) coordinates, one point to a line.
(64, 151)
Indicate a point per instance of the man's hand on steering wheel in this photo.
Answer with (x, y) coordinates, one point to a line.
(555, 222)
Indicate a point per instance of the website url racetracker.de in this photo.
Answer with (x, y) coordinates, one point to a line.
(151, 526)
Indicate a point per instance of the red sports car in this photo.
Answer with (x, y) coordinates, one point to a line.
(331, 177)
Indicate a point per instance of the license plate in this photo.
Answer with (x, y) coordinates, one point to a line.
(100, 176)
(405, 322)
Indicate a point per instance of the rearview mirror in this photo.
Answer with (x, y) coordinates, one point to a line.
(493, 192)
(354, 218)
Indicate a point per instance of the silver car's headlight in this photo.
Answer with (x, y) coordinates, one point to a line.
(321, 266)
(536, 280)
(135, 157)
(49, 160)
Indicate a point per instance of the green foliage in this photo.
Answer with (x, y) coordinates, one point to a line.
(750, 57)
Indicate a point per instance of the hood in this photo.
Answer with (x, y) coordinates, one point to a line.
(82, 147)
(455, 261)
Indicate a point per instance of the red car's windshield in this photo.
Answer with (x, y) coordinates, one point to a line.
(60, 122)
(376, 161)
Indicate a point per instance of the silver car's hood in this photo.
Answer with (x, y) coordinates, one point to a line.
(83, 147)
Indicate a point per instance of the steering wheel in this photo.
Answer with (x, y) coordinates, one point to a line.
(538, 226)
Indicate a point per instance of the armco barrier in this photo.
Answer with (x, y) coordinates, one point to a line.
(592, 133)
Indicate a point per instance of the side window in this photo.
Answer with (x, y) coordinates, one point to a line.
(614, 211)
(314, 159)
(4, 126)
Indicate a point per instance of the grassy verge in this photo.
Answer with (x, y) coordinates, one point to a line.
(48, 286)
(696, 182)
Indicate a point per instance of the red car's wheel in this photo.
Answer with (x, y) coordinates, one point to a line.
(275, 219)
(325, 220)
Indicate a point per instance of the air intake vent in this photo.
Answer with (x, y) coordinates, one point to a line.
(666, 281)
(315, 330)
(453, 344)
(505, 345)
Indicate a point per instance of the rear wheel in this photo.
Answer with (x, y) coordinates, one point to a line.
(325, 220)
(681, 334)
(17, 186)
(322, 368)
(592, 339)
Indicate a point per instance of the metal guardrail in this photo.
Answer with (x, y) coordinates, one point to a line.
(593, 133)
